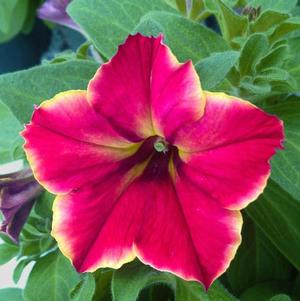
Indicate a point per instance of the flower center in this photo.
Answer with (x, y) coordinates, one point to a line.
(161, 145)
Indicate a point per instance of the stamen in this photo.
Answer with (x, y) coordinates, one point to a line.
(161, 145)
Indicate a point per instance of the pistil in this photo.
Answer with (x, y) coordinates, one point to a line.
(161, 145)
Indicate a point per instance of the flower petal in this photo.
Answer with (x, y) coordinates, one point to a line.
(182, 232)
(227, 151)
(68, 144)
(144, 91)
(93, 227)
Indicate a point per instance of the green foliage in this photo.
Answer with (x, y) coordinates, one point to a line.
(118, 19)
(268, 20)
(188, 39)
(213, 69)
(253, 50)
(103, 279)
(265, 291)
(10, 128)
(276, 5)
(20, 91)
(280, 297)
(292, 64)
(284, 164)
(231, 24)
(13, 15)
(256, 261)
(85, 289)
(7, 252)
(19, 269)
(276, 213)
(129, 281)
(11, 294)
(51, 279)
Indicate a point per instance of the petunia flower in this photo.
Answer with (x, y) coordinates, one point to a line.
(56, 11)
(18, 192)
(146, 164)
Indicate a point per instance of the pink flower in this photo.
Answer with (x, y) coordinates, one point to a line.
(146, 164)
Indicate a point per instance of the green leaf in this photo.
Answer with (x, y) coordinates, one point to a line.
(277, 5)
(11, 294)
(186, 38)
(292, 64)
(296, 11)
(103, 278)
(51, 279)
(274, 74)
(10, 128)
(267, 20)
(280, 297)
(296, 288)
(85, 289)
(108, 22)
(197, 7)
(19, 269)
(21, 90)
(213, 69)
(254, 49)
(286, 163)
(193, 291)
(248, 87)
(5, 237)
(264, 291)
(276, 57)
(128, 281)
(43, 207)
(232, 25)
(284, 28)
(13, 14)
(257, 260)
(8, 252)
(181, 5)
(277, 213)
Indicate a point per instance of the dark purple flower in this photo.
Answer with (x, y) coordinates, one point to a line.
(55, 11)
(18, 192)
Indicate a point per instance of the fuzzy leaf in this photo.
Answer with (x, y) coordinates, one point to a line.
(7, 252)
(276, 213)
(187, 39)
(267, 20)
(286, 164)
(264, 291)
(51, 279)
(213, 69)
(291, 24)
(292, 64)
(11, 294)
(108, 22)
(254, 49)
(85, 289)
(276, 57)
(257, 260)
(13, 15)
(10, 128)
(129, 281)
(232, 25)
(278, 5)
(21, 90)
